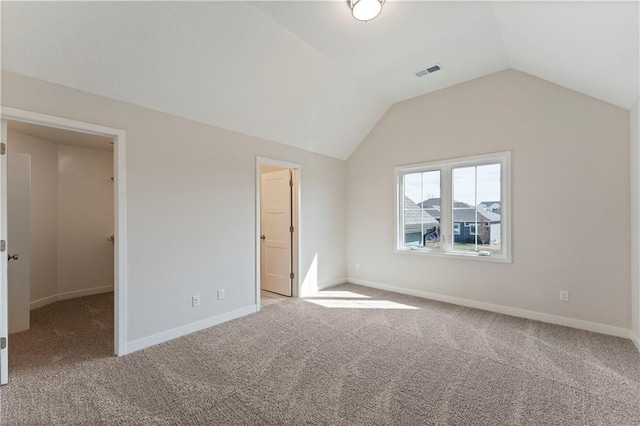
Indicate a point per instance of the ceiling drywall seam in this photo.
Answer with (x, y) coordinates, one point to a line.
(346, 74)
(588, 47)
(501, 32)
(385, 102)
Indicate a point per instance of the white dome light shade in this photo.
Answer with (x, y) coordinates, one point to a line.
(365, 10)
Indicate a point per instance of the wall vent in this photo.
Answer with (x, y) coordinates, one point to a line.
(429, 70)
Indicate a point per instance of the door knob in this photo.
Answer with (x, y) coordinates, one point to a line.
(262, 237)
(13, 256)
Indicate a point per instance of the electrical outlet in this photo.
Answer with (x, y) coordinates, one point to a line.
(195, 301)
(221, 294)
(564, 296)
(357, 266)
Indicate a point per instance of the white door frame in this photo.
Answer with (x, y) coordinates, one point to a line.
(295, 218)
(120, 198)
(4, 266)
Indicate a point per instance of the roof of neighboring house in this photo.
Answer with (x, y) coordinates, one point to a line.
(487, 204)
(435, 203)
(415, 217)
(462, 212)
(433, 212)
(468, 214)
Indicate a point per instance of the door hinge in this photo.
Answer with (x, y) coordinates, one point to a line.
(3, 245)
(3, 148)
(291, 229)
(291, 275)
(290, 183)
(3, 343)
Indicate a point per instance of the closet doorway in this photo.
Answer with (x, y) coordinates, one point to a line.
(62, 231)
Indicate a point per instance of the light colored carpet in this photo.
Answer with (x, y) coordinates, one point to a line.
(350, 356)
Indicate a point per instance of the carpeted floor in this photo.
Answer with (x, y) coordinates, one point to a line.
(352, 355)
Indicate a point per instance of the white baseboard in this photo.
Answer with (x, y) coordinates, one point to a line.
(41, 302)
(635, 339)
(70, 295)
(501, 309)
(183, 330)
(332, 283)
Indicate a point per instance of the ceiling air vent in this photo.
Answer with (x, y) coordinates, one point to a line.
(429, 70)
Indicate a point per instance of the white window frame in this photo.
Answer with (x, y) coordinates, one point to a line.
(473, 226)
(456, 228)
(446, 167)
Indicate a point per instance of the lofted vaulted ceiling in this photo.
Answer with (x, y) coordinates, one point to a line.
(306, 73)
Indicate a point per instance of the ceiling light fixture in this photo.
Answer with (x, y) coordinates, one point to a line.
(365, 10)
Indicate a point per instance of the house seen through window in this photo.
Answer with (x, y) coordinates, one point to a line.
(421, 228)
(480, 228)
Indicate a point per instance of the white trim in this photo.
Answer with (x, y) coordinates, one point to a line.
(120, 199)
(474, 160)
(38, 303)
(635, 339)
(332, 283)
(436, 252)
(296, 218)
(4, 307)
(183, 330)
(69, 295)
(446, 168)
(501, 309)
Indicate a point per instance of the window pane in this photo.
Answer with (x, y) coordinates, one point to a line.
(421, 226)
(477, 208)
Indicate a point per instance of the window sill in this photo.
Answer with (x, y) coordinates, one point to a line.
(454, 255)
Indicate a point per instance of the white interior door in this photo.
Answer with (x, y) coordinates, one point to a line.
(4, 349)
(18, 247)
(275, 253)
